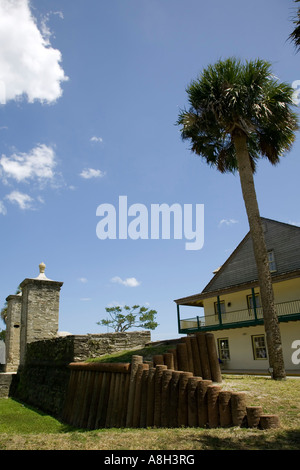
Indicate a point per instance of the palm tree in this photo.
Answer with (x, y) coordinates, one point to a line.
(239, 113)
(295, 34)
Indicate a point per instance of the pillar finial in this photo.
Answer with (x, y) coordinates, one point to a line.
(42, 267)
(42, 275)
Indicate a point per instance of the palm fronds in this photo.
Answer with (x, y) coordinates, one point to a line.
(295, 34)
(230, 96)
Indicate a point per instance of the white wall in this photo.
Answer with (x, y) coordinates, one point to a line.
(241, 351)
(240, 339)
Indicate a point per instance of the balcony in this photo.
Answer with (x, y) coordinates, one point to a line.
(286, 311)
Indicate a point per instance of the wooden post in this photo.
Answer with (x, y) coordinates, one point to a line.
(88, 397)
(165, 397)
(110, 401)
(169, 360)
(213, 405)
(182, 399)
(124, 400)
(269, 422)
(225, 408)
(192, 401)
(135, 361)
(174, 386)
(95, 400)
(137, 395)
(253, 415)
(202, 402)
(196, 357)
(205, 366)
(150, 397)
(120, 400)
(215, 369)
(187, 341)
(174, 353)
(158, 359)
(182, 357)
(103, 400)
(144, 397)
(238, 408)
(157, 394)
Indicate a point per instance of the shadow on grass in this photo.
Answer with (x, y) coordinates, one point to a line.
(276, 440)
(20, 418)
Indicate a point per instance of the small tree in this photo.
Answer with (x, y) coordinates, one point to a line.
(122, 319)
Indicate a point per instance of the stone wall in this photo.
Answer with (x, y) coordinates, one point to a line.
(42, 381)
(95, 345)
(39, 311)
(7, 382)
(12, 337)
(74, 348)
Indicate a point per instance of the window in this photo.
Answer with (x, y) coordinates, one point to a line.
(259, 347)
(250, 301)
(271, 258)
(223, 347)
(222, 307)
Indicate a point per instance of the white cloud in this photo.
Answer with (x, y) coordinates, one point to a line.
(85, 299)
(83, 280)
(46, 32)
(41, 199)
(23, 200)
(129, 282)
(29, 66)
(96, 139)
(89, 173)
(3, 210)
(38, 164)
(227, 222)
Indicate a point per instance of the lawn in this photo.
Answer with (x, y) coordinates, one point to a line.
(23, 428)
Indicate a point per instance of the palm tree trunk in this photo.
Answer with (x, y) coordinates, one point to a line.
(271, 324)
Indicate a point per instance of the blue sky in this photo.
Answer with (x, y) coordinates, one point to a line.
(90, 93)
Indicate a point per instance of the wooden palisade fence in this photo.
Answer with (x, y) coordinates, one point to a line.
(179, 388)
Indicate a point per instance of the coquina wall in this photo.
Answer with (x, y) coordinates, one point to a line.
(43, 379)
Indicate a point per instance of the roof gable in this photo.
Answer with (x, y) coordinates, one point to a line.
(240, 267)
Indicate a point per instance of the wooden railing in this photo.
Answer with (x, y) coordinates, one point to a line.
(204, 322)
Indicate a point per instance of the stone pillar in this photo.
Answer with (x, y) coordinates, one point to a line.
(40, 310)
(12, 337)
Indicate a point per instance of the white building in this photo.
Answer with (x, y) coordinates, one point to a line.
(229, 306)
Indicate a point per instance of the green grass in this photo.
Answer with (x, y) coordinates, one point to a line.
(17, 418)
(125, 356)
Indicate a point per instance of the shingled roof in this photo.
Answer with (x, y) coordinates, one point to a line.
(239, 270)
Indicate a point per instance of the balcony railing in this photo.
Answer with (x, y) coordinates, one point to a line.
(286, 311)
